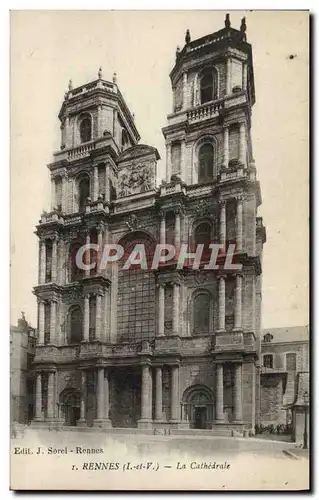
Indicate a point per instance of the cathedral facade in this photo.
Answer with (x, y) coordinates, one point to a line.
(172, 347)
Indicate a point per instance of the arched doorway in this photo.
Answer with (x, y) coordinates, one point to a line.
(69, 406)
(198, 406)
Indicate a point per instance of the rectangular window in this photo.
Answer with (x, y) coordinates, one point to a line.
(268, 361)
(291, 362)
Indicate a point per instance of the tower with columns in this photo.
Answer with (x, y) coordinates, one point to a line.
(171, 347)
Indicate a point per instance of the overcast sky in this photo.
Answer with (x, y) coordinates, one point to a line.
(50, 47)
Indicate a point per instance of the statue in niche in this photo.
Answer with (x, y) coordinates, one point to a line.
(124, 185)
(147, 180)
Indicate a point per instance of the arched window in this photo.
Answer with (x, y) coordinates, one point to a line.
(202, 314)
(84, 192)
(125, 139)
(76, 325)
(205, 162)
(86, 129)
(208, 86)
(203, 236)
(76, 272)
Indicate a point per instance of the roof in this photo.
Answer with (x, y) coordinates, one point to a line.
(288, 334)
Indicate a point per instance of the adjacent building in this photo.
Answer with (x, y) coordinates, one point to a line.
(166, 348)
(284, 356)
(22, 351)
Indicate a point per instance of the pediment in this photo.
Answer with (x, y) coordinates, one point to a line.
(138, 151)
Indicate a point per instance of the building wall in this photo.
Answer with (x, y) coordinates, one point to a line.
(22, 346)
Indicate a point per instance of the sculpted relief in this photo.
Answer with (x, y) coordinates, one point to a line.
(138, 179)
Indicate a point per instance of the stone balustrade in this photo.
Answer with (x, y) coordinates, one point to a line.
(205, 111)
(81, 151)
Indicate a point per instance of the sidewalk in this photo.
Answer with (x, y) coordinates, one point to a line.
(297, 453)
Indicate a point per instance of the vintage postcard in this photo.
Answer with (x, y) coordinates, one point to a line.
(159, 331)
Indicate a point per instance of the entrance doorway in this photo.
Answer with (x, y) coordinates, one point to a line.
(69, 406)
(198, 407)
(200, 417)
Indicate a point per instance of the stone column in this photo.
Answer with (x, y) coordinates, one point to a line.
(174, 393)
(107, 183)
(239, 226)
(41, 321)
(82, 419)
(146, 398)
(221, 303)
(52, 193)
(42, 261)
(238, 302)
(54, 261)
(226, 147)
(244, 76)
(106, 396)
(52, 322)
(50, 399)
(98, 312)
(185, 90)
(168, 162)
(228, 76)
(64, 194)
(61, 261)
(222, 224)
(177, 233)
(38, 397)
(100, 249)
(95, 183)
(106, 315)
(100, 393)
(238, 403)
(158, 394)
(242, 144)
(161, 309)
(86, 320)
(219, 393)
(162, 228)
(183, 161)
(175, 325)
(87, 254)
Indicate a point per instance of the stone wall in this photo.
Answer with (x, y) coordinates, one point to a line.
(272, 400)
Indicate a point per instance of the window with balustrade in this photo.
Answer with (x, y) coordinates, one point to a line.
(206, 162)
(208, 86)
(86, 129)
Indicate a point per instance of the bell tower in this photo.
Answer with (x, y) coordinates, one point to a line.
(213, 93)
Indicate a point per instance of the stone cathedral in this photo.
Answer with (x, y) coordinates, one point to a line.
(165, 350)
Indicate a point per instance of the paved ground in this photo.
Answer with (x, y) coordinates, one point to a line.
(179, 462)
